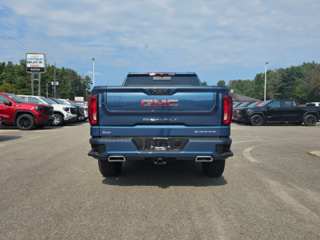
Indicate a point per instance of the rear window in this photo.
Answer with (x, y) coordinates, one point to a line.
(244, 104)
(59, 101)
(310, 104)
(253, 104)
(79, 103)
(288, 104)
(176, 80)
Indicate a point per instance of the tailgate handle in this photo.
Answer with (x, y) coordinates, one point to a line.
(160, 91)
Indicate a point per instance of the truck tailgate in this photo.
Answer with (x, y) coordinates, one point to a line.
(132, 106)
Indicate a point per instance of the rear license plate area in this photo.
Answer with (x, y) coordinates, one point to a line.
(160, 143)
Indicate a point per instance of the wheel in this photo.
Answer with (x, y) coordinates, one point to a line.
(109, 169)
(298, 123)
(214, 168)
(39, 127)
(310, 120)
(25, 122)
(256, 120)
(58, 120)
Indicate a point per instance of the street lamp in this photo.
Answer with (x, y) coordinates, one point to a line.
(93, 71)
(265, 82)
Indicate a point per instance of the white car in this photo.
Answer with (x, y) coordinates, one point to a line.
(313, 104)
(82, 108)
(62, 113)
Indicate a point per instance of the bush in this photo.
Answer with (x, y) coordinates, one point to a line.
(8, 88)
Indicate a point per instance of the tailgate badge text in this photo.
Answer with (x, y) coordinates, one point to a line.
(159, 119)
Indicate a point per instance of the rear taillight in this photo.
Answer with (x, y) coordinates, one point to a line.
(93, 110)
(227, 110)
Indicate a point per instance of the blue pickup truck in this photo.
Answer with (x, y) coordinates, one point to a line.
(160, 117)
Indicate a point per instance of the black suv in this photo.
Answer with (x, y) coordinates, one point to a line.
(278, 111)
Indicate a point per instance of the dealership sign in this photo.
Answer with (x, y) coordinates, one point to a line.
(36, 62)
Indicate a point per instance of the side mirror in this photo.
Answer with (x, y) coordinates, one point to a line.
(7, 102)
(268, 107)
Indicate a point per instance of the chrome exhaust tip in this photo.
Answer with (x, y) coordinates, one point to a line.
(116, 158)
(203, 159)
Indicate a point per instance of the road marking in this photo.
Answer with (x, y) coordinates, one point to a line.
(280, 192)
(246, 153)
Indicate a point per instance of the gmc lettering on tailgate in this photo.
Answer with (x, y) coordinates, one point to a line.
(150, 103)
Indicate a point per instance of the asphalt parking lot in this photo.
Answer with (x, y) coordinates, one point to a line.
(51, 189)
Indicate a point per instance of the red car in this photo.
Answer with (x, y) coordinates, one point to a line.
(16, 111)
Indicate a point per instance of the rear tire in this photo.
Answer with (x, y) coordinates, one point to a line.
(214, 168)
(109, 169)
(25, 122)
(256, 120)
(310, 120)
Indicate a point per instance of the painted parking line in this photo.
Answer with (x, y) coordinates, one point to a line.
(246, 153)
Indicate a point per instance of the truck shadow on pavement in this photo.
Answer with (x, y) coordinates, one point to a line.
(8, 138)
(183, 173)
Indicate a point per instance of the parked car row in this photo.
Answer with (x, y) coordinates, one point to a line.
(236, 110)
(276, 111)
(27, 111)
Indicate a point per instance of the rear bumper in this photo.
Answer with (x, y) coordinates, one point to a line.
(102, 148)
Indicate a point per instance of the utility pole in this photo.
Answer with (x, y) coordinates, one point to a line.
(55, 85)
(32, 87)
(265, 83)
(47, 88)
(93, 71)
(39, 84)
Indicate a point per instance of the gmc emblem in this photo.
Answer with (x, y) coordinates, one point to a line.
(150, 103)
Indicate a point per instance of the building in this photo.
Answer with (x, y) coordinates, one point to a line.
(240, 98)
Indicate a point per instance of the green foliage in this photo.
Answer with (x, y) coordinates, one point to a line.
(8, 88)
(71, 84)
(296, 82)
(221, 83)
(204, 84)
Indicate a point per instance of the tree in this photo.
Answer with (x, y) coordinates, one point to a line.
(8, 88)
(240, 86)
(221, 83)
(70, 82)
(204, 84)
(296, 82)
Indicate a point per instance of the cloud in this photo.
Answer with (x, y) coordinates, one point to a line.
(91, 73)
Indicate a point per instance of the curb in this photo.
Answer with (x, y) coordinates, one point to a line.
(315, 153)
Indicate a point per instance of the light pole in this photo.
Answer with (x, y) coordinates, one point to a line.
(265, 82)
(93, 71)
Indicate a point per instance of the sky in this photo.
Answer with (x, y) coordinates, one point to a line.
(219, 40)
